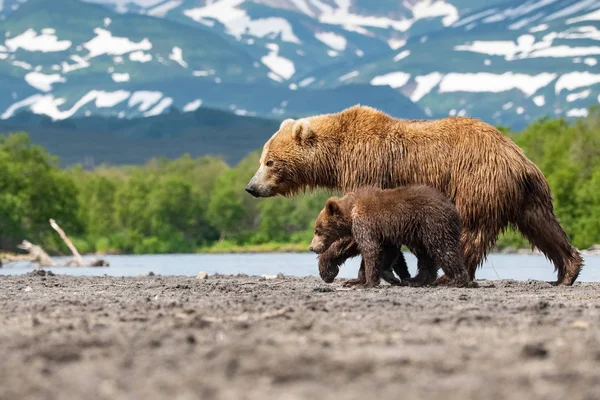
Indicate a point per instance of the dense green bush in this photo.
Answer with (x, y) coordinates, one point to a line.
(189, 204)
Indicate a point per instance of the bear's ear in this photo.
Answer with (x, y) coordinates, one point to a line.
(286, 122)
(302, 131)
(333, 206)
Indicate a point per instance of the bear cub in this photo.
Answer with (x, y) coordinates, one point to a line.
(377, 220)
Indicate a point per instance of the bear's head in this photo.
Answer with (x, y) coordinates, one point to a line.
(333, 223)
(284, 160)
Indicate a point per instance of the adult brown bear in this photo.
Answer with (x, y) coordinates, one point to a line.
(489, 178)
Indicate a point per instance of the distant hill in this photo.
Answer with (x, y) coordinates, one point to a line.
(95, 140)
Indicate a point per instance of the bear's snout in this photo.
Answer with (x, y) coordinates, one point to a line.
(252, 190)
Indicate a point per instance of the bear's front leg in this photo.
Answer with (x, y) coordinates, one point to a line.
(372, 258)
(360, 280)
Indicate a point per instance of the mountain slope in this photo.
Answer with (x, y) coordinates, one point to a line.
(69, 58)
(507, 64)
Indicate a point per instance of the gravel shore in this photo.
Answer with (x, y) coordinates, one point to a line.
(240, 337)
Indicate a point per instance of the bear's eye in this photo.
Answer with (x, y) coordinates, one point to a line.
(269, 163)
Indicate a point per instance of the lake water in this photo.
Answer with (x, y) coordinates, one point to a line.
(498, 266)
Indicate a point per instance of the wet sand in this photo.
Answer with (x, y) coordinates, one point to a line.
(240, 337)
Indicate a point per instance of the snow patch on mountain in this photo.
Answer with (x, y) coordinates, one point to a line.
(424, 85)
(593, 16)
(333, 40)
(575, 80)
(494, 83)
(144, 99)
(192, 106)
(526, 45)
(393, 79)
(539, 100)
(402, 55)
(106, 43)
(577, 112)
(578, 96)
(162, 9)
(572, 9)
(120, 77)
(430, 9)
(22, 64)
(121, 5)
(515, 12)
(30, 40)
(47, 104)
(162, 105)
(238, 22)
(279, 65)
(43, 82)
(140, 56)
(177, 56)
(349, 75)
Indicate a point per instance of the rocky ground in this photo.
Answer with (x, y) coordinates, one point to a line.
(294, 338)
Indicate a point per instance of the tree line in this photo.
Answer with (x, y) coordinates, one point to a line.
(199, 204)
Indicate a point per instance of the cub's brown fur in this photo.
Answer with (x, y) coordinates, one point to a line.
(488, 177)
(345, 248)
(417, 216)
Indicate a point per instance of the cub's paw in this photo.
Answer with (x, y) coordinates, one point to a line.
(352, 283)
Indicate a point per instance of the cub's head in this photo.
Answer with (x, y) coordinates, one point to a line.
(337, 254)
(332, 224)
(284, 162)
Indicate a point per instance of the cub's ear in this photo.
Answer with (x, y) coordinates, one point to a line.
(302, 131)
(286, 122)
(333, 206)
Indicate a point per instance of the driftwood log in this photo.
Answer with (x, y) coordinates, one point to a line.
(77, 260)
(39, 256)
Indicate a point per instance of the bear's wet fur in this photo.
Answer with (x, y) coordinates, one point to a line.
(488, 177)
(417, 216)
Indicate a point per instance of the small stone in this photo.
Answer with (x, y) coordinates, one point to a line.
(150, 273)
(324, 289)
(28, 289)
(268, 277)
(535, 351)
(191, 339)
(580, 324)
(202, 275)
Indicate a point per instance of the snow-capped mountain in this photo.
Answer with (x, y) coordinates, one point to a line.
(507, 64)
(504, 61)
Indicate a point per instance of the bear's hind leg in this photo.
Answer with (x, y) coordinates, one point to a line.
(455, 272)
(426, 271)
(399, 265)
(392, 260)
(475, 243)
(543, 231)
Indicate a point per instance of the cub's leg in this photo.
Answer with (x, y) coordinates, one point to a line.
(391, 261)
(360, 280)
(426, 271)
(399, 265)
